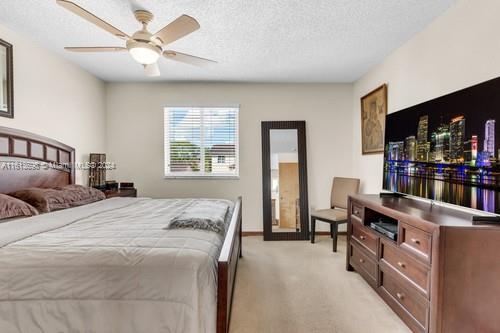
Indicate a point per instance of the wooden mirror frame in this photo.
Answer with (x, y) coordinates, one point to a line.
(10, 80)
(266, 127)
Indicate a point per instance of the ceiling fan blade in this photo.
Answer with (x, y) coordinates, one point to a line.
(179, 28)
(92, 18)
(96, 49)
(152, 70)
(188, 59)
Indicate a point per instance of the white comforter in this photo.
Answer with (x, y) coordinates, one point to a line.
(108, 267)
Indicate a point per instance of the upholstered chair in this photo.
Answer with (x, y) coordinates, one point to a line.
(337, 214)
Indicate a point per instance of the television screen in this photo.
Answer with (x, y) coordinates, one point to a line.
(447, 149)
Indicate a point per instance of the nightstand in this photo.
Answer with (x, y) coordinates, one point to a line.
(123, 192)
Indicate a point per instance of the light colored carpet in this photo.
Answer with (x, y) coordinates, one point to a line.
(296, 286)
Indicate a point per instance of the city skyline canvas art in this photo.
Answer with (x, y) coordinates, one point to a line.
(373, 112)
(447, 149)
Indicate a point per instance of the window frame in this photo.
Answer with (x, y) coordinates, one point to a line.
(167, 174)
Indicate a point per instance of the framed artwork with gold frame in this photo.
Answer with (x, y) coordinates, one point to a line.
(373, 112)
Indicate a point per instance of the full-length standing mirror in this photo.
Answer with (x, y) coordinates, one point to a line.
(6, 82)
(284, 180)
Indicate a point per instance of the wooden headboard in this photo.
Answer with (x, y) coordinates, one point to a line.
(31, 160)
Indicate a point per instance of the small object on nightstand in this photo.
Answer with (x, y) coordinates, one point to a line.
(126, 185)
(111, 185)
(122, 192)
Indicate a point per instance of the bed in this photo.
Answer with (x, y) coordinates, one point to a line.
(109, 266)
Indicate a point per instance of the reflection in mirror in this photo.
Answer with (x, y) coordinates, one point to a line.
(6, 85)
(285, 193)
(3, 76)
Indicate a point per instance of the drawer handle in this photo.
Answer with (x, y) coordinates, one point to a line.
(401, 264)
(356, 212)
(362, 237)
(416, 241)
(361, 260)
(400, 295)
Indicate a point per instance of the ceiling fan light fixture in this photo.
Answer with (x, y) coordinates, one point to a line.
(144, 53)
(152, 70)
(144, 47)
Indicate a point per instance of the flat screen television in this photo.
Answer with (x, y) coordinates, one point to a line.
(447, 149)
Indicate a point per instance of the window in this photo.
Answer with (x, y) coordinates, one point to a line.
(201, 142)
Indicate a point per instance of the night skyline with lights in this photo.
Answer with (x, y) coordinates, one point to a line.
(476, 104)
(447, 149)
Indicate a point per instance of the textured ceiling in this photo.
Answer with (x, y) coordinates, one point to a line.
(253, 40)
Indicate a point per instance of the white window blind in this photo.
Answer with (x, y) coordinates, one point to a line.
(201, 141)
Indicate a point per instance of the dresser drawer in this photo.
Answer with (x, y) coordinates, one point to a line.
(361, 261)
(417, 272)
(365, 237)
(357, 210)
(416, 241)
(415, 306)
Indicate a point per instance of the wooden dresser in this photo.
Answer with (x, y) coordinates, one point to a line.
(442, 274)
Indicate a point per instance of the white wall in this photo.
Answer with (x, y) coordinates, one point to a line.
(57, 99)
(135, 136)
(459, 49)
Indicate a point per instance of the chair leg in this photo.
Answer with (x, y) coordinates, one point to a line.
(335, 232)
(313, 228)
(331, 230)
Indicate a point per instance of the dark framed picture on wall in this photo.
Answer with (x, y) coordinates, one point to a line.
(6, 80)
(373, 112)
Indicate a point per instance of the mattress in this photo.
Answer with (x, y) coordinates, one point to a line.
(109, 266)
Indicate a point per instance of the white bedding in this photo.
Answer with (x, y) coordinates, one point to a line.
(109, 266)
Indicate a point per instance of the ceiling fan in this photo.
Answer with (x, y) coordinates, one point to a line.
(144, 47)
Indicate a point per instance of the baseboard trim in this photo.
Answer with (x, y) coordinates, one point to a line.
(252, 233)
(261, 233)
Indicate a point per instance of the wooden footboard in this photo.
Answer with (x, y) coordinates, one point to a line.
(228, 261)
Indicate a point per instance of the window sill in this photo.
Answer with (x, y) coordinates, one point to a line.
(203, 177)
